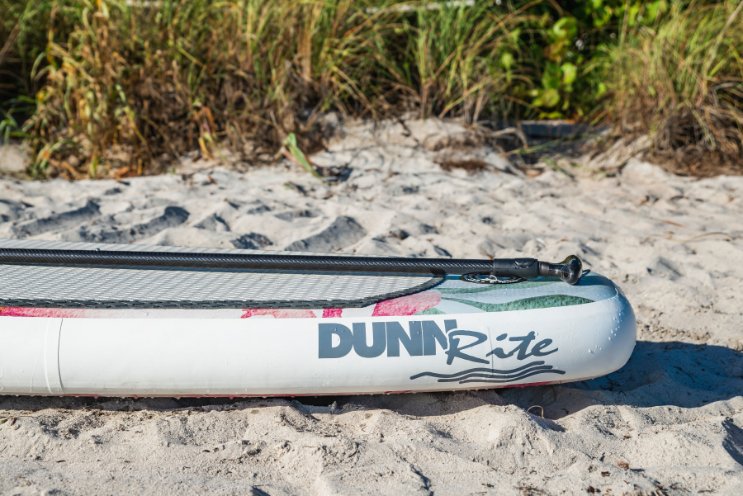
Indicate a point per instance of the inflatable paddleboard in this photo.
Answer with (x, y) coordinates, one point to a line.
(98, 329)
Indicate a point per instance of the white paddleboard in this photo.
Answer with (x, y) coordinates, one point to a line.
(454, 335)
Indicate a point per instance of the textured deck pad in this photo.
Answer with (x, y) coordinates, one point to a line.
(130, 287)
(456, 296)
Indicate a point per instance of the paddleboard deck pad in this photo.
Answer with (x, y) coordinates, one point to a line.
(163, 331)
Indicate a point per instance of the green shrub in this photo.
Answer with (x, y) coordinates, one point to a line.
(567, 44)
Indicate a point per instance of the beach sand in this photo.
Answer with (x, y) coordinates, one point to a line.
(670, 421)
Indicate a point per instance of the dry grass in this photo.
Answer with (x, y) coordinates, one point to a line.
(133, 83)
(138, 82)
(682, 81)
(126, 87)
(459, 59)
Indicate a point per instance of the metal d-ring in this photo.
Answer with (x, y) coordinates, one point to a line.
(490, 278)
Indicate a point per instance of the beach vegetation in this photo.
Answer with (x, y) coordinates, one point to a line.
(681, 80)
(113, 88)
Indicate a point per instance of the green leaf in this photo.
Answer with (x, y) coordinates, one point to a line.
(548, 98)
(654, 9)
(291, 144)
(602, 16)
(569, 73)
(552, 76)
(632, 13)
(565, 28)
(506, 60)
(601, 90)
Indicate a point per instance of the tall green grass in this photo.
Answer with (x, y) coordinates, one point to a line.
(138, 81)
(682, 80)
(134, 82)
(123, 87)
(456, 58)
(24, 29)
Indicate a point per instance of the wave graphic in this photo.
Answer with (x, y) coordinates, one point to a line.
(483, 374)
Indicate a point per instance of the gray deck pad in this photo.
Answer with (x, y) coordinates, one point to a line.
(155, 287)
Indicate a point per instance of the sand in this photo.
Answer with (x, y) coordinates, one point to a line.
(670, 421)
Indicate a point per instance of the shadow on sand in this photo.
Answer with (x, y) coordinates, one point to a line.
(659, 373)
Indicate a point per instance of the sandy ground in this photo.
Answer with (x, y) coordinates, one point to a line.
(671, 421)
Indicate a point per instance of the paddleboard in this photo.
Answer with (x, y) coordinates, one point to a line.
(162, 331)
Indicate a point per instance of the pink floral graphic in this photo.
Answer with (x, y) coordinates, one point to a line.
(40, 312)
(408, 305)
(329, 313)
(278, 313)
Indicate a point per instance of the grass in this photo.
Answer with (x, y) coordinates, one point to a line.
(682, 81)
(22, 43)
(133, 83)
(459, 59)
(104, 88)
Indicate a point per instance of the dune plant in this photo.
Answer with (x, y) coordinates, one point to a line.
(682, 80)
(456, 58)
(135, 80)
(126, 87)
(19, 44)
(24, 29)
(566, 41)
